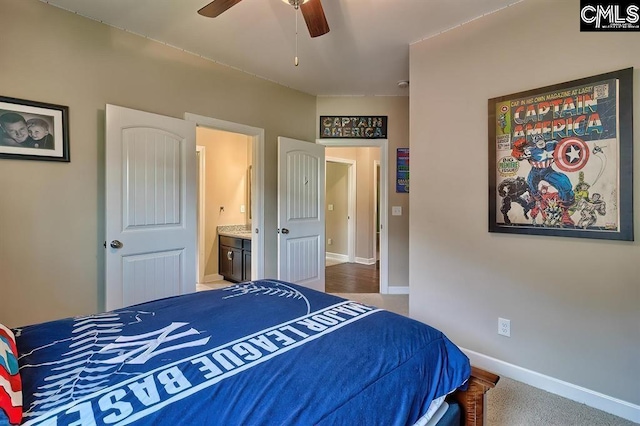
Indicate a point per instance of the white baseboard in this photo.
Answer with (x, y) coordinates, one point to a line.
(213, 277)
(398, 289)
(337, 257)
(576, 393)
(345, 258)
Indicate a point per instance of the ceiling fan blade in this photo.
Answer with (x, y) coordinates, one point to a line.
(314, 17)
(216, 7)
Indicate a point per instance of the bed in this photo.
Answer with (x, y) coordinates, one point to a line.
(262, 352)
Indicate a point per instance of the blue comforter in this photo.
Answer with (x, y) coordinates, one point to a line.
(264, 352)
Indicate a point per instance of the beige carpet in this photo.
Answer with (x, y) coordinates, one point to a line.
(398, 303)
(512, 403)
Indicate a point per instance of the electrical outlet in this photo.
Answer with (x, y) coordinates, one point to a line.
(504, 327)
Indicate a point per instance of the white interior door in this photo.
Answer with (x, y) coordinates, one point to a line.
(150, 207)
(301, 249)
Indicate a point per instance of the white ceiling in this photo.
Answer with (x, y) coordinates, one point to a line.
(365, 53)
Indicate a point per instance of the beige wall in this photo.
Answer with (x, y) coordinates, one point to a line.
(397, 111)
(337, 195)
(52, 214)
(573, 303)
(226, 186)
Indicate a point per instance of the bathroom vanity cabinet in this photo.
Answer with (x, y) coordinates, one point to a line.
(234, 258)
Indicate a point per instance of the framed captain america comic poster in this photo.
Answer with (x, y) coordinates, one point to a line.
(561, 159)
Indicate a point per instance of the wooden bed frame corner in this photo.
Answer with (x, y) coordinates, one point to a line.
(472, 399)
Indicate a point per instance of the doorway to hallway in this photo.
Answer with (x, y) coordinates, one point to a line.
(366, 270)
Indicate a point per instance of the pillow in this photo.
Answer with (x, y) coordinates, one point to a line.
(10, 383)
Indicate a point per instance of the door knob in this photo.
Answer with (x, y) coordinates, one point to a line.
(116, 244)
(284, 231)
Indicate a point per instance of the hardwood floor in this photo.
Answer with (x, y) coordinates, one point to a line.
(352, 278)
(340, 278)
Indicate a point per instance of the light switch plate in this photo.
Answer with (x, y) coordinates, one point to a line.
(396, 211)
(330, 207)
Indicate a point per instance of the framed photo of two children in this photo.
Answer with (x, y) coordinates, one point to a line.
(561, 159)
(31, 130)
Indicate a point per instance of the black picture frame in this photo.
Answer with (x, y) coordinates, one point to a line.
(561, 159)
(31, 130)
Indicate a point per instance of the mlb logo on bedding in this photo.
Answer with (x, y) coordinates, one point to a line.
(140, 349)
(609, 16)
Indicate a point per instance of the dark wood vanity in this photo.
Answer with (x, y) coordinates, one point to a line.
(234, 262)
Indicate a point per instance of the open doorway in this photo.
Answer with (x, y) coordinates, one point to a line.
(367, 271)
(224, 195)
(247, 190)
(340, 210)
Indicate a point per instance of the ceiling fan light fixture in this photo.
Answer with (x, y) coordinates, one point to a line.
(295, 3)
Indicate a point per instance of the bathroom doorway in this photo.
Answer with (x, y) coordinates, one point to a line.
(224, 195)
(246, 188)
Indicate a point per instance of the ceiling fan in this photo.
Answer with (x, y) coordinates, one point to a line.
(311, 10)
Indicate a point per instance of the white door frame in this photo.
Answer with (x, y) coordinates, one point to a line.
(201, 212)
(383, 144)
(376, 164)
(351, 204)
(257, 183)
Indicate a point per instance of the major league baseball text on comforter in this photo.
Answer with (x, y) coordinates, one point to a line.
(264, 352)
